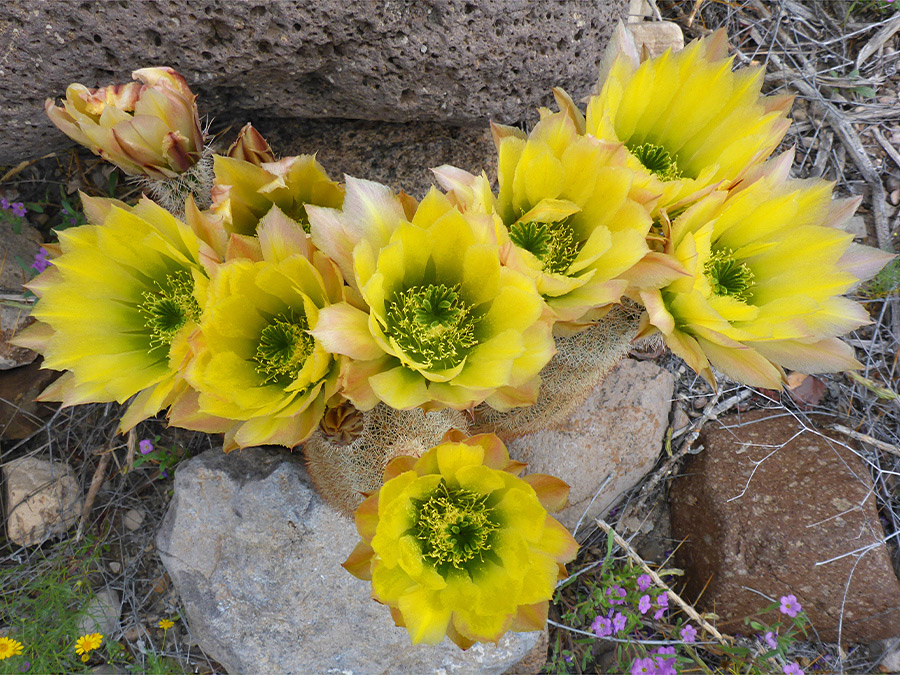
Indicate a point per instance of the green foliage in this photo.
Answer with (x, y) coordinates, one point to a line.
(41, 606)
(886, 282)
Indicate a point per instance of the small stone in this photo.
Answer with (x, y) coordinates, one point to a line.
(657, 36)
(115, 567)
(247, 536)
(680, 419)
(761, 506)
(132, 519)
(102, 614)
(617, 434)
(43, 499)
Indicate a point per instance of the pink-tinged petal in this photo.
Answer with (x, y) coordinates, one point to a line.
(210, 228)
(568, 106)
(531, 617)
(343, 329)
(250, 146)
(355, 384)
(496, 456)
(66, 123)
(281, 237)
(621, 46)
(826, 356)
(366, 516)
(501, 131)
(177, 149)
(864, 262)
(398, 465)
(657, 313)
(689, 350)
(552, 492)
(654, 270)
(69, 392)
(35, 336)
(243, 246)
(359, 562)
(185, 412)
(840, 211)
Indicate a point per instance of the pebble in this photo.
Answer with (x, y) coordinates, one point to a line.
(133, 519)
(115, 567)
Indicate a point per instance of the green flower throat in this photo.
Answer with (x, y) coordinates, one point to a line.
(454, 528)
(554, 244)
(284, 345)
(432, 324)
(729, 277)
(657, 160)
(167, 309)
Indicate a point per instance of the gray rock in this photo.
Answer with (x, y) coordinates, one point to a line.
(616, 434)
(43, 499)
(132, 519)
(102, 614)
(396, 154)
(444, 60)
(255, 555)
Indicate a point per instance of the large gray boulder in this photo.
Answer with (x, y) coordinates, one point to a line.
(451, 61)
(255, 554)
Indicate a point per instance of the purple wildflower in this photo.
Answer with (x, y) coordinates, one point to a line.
(790, 606)
(619, 622)
(770, 640)
(146, 446)
(4, 204)
(644, 667)
(602, 626)
(793, 669)
(40, 262)
(165, 474)
(644, 604)
(665, 660)
(616, 595)
(643, 582)
(18, 208)
(689, 633)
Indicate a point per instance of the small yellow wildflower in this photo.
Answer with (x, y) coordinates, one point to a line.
(9, 647)
(88, 643)
(166, 624)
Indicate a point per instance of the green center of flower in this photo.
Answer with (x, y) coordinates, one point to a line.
(657, 160)
(167, 309)
(454, 527)
(729, 277)
(554, 244)
(432, 324)
(284, 345)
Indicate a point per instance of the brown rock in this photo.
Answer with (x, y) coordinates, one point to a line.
(808, 501)
(43, 499)
(20, 414)
(616, 434)
(398, 155)
(445, 60)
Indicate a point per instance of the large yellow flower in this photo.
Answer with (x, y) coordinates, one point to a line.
(434, 318)
(457, 545)
(146, 128)
(117, 306)
(244, 191)
(573, 220)
(257, 373)
(689, 122)
(767, 266)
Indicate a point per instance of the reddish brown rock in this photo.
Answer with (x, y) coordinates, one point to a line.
(20, 414)
(808, 501)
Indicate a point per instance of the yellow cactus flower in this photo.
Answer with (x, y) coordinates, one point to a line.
(434, 319)
(146, 128)
(767, 266)
(117, 305)
(573, 220)
(689, 122)
(257, 374)
(456, 544)
(244, 191)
